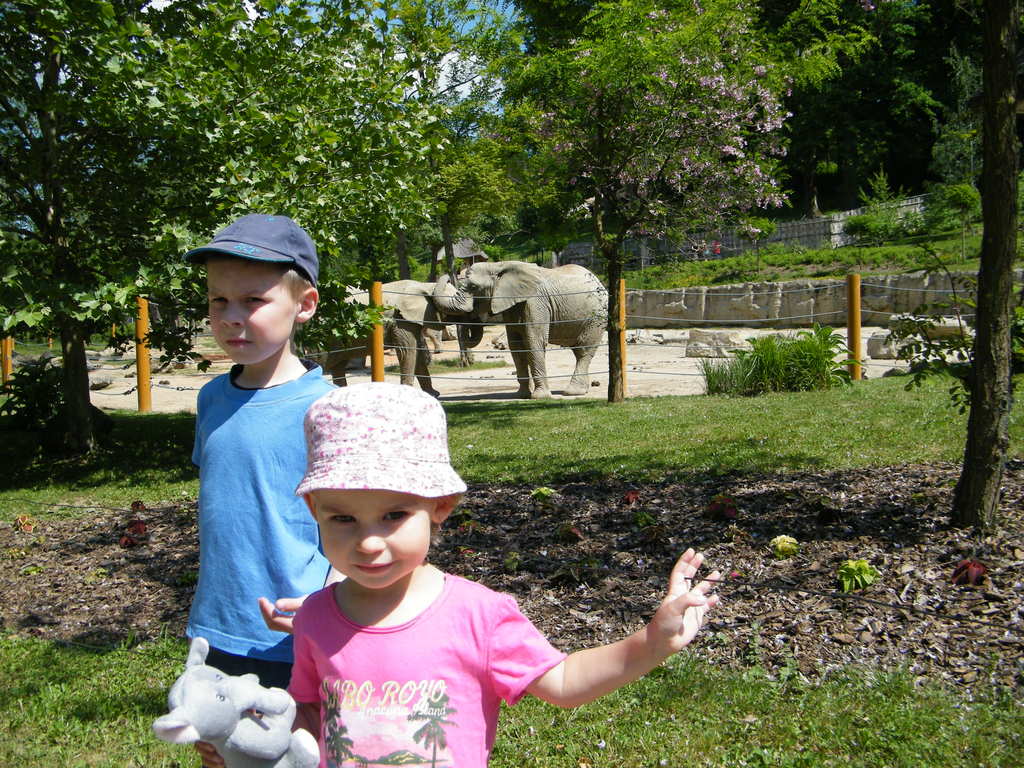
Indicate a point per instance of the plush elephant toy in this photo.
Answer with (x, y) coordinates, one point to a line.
(251, 726)
(566, 306)
(410, 313)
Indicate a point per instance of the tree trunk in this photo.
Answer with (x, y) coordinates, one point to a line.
(976, 498)
(78, 421)
(609, 251)
(465, 354)
(810, 194)
(402, 254)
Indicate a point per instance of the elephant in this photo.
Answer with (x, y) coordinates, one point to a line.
(566, 306)
(410, 312)
(251, 726)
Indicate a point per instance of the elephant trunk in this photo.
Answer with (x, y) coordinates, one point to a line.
(449, 302)
(473, 335)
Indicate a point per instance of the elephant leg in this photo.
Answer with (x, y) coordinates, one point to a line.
(532, 341)
(579, 384)
(538, 367)
(423, 370)
(520, 358)
(334, 365)
(406, 343)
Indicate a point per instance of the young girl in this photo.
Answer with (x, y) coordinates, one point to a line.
(401, 663)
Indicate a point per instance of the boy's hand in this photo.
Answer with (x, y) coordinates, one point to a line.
(210, 756)
(279, 615)
(681, 614)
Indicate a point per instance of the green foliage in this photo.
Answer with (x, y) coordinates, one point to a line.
(954, 205)
(856, 575)
(1017, 339)
(774, 363)
(956, 153)
(946, 355)
(726, 377)
(784, 547)
(129, 133)
(882, 219)
(34, 394)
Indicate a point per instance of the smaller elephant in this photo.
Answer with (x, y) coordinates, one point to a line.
(251, 726)
(409, 316)
(566, 306)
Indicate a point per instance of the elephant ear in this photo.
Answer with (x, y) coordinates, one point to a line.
(409, 298)
(512, 285)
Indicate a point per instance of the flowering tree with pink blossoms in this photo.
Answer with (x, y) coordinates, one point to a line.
(659, 114)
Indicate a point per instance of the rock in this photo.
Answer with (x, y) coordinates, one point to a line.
(715, 343)
(942, 328)
(100, 382)
(881, 346)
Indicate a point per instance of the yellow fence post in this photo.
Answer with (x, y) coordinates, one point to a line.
(7, 358)
(377, 337)
(853, 344)
(142, 383)
(622, 332)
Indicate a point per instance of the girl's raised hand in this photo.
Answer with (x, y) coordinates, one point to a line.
(681, 614)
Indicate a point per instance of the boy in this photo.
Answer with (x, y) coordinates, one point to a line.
(255, 538)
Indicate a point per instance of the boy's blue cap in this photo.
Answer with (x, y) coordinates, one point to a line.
(260, 237)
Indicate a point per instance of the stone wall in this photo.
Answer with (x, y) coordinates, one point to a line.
(791, 304)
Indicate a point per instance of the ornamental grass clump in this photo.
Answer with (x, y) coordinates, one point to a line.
(855, 575)
(803, 362)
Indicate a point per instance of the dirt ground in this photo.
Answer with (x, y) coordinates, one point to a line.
(652, 369)
(589, 563)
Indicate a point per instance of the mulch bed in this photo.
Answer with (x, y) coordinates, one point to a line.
(590, 562)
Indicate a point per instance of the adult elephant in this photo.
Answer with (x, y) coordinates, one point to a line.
(566, 306)
(409, 312)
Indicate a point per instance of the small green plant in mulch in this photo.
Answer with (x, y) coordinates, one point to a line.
(784, 547)
(855, 575)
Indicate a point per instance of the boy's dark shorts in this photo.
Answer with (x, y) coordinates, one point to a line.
(272, 674)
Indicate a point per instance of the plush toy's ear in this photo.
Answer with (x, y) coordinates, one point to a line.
(197, 651)
(175, 730)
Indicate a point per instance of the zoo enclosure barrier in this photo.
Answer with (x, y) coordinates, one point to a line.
(851, 308)
(820, 232)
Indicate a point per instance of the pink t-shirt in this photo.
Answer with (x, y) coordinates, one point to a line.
(424, 692)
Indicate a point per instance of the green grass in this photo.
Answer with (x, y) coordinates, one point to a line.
(147, 456)
(780, 263)
(92, 708)
(873, 422)
(685, 713)
(870, 423)
(67, 705)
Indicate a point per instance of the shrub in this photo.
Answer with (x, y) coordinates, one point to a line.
(35, 394)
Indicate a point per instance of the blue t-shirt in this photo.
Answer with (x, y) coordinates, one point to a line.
(256, 537)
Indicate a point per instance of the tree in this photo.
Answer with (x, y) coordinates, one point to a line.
(311, 109)
(469, 173)
(657, 116)
(128, 134)
(976, 497)
(871, 80)
(76, 160)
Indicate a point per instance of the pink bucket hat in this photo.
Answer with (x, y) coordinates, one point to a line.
(378, 436)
